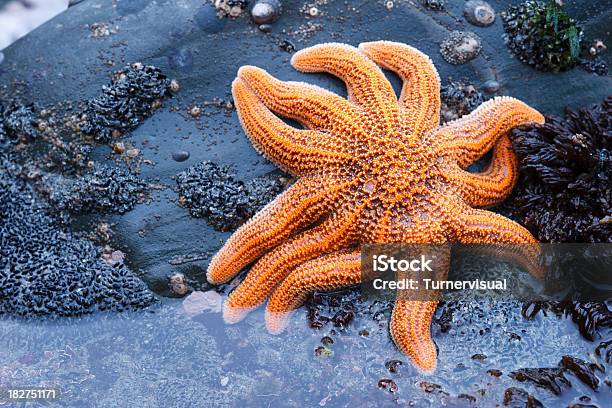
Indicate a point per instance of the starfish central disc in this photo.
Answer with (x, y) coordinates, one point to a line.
(372, 168)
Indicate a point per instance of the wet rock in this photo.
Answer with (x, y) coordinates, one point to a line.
(393, 365)
(494, 372)
(458, 99)
(103, 190)
(180, 155)
(207, 20)
(591, 317)
(430, 388)
(604, 350)
(437, 5)
(491, 86)
(210, 191)
(479, 13)
(543, 35)
(18, 123)
(327, 341)
(519, 398)
(460, 47)
(46, 270)
(581, 370)
(131, 97)
(551, 379)
(479, 357)
(387, 384)
(324, 351)
(565, 189)
(265, 11)
(582, 402)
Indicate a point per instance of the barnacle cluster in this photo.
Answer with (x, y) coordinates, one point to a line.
(45, 269)
(211, 192)
(104, 189)
(131, 97)
(18, 122)
(543, 35)
(565, 192)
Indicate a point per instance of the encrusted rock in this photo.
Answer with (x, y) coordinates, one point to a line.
(460, 47)
(479, 13)
(519, 398)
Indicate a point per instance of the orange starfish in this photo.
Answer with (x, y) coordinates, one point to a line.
(371, 169)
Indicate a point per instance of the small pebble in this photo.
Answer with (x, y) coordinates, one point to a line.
(132, 152)
(387, 384)
(265, 11)
(178, 284)
(119, 148)
(287, 46)
(265, 28)
(491, 86)
(313, 12)
(195, 111)
(180, 155)
(174, 86)
(326, 341)
(479, 13)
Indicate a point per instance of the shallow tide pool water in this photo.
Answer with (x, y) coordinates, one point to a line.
(164, 357)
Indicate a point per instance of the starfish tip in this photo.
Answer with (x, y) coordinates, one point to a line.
(277, 322)
(233, 314)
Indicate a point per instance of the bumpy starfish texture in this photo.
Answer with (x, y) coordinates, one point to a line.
(373, 168)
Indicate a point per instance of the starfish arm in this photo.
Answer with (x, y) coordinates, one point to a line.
(303, 203)
(420, 96)
(329, 272)
(410, 330)
(469, 138)
(294, 150)
(332, 234)
(475, 226)
(495, 183)
(366, 84)
(312, 106)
